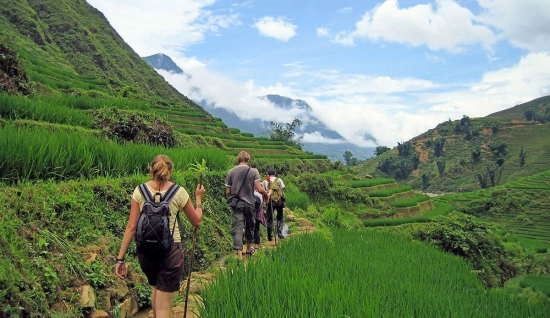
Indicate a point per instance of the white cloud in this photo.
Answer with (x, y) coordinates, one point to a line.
(321, 32)
(276, 28)
(389, 109)
(317, 137)
(449, 27)
(157, 26)
(525, 23)
(345, 10)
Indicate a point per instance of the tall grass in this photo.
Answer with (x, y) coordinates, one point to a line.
(357, 274)
(370, 182)
(38, 154)
(408, 202)
(440, 209)
(391, 191)
(19, 107)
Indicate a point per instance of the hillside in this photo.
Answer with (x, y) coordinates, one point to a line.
(470, 153)
(81, 116)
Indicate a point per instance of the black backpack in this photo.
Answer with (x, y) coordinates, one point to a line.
(153, 233)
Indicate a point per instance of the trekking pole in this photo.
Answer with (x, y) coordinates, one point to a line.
(191, 263)
(190, 270)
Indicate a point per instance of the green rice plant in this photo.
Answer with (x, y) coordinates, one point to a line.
(19, 107)
(391, 191)
(37, 154)
(296, 199)
(403, 203)
(537, 282)
(440, 209)
(370, 182)
(357, 274)
(254, 146)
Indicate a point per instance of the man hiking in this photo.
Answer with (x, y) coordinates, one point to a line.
(241, 180)
(276, 201)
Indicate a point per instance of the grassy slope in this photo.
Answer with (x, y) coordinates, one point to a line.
(460, 171)
(73, 37)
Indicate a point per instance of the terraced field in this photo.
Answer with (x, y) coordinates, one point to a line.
(199, 123)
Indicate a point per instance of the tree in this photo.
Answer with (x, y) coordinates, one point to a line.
(286, 133)
(380, 150)
(522, 156)
(404, 149)
(425, 181)
(438, 146)
(349, 159)
(440, 165)
(476, 153)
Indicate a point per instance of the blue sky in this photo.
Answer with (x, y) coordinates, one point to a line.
(387, 69)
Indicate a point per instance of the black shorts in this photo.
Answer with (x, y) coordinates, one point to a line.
(164, 271)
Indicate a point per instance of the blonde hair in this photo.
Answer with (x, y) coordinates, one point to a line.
(243, 156)
(160, 168)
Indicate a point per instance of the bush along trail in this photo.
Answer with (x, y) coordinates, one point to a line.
(200, 279)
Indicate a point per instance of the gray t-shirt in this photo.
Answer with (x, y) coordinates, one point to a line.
(235, 178)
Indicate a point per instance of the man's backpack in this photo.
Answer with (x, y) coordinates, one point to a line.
(153, 233)
(277, 198)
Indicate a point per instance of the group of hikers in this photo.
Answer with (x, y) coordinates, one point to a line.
(154, 213)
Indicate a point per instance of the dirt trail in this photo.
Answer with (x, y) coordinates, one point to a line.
(200, 279)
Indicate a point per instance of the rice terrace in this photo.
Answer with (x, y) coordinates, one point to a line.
(452, 223)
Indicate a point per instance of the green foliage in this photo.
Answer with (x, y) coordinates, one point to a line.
(522, 156)
(286, 133)
(13, 78)
(365, 183)
(37, 154)
(130, 126)
(349, 159)
(316, 270)
(295, 199)
(439, 143)
(404, 149)
(390, 191)
(441, 165)
(408, 202)
(500, 202)
(380, 150)
(460, 235)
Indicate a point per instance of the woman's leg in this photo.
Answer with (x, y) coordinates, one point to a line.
(162, 303)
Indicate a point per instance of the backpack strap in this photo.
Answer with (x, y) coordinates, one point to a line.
(145, 193)
(170, 192)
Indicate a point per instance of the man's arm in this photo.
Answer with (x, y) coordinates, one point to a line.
(227, 192)
(260, 188)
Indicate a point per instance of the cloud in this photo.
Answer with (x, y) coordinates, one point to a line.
(276, 28)
(317, 137)
(525, 23)
(322, 32)
(390, 110)
(345, 10)
(157, 26)
(199, 83)
(448, 27)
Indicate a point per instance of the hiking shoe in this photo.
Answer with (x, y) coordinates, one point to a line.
(251, 252)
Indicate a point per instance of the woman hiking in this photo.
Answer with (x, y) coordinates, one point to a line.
(164, 270)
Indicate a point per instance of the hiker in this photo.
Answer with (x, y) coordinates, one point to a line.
(164, 270)
(241, 180)
(260, 219)
(275, 187)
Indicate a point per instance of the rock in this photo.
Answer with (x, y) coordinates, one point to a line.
(99, 314)
(120, 288)
(87, 296)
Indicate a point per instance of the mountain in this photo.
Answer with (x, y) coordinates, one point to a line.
(471, 153)
(69, 47)
(161, 61)
(258, 127)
